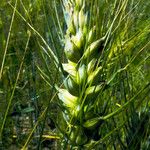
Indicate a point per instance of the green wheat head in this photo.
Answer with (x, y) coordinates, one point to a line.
(82, 85)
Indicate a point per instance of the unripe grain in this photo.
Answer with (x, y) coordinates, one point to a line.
(72, 51)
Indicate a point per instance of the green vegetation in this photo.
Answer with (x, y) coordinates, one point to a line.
(74, 74)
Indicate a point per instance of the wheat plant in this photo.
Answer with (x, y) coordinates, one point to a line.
(95, 43)
(83, 82)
